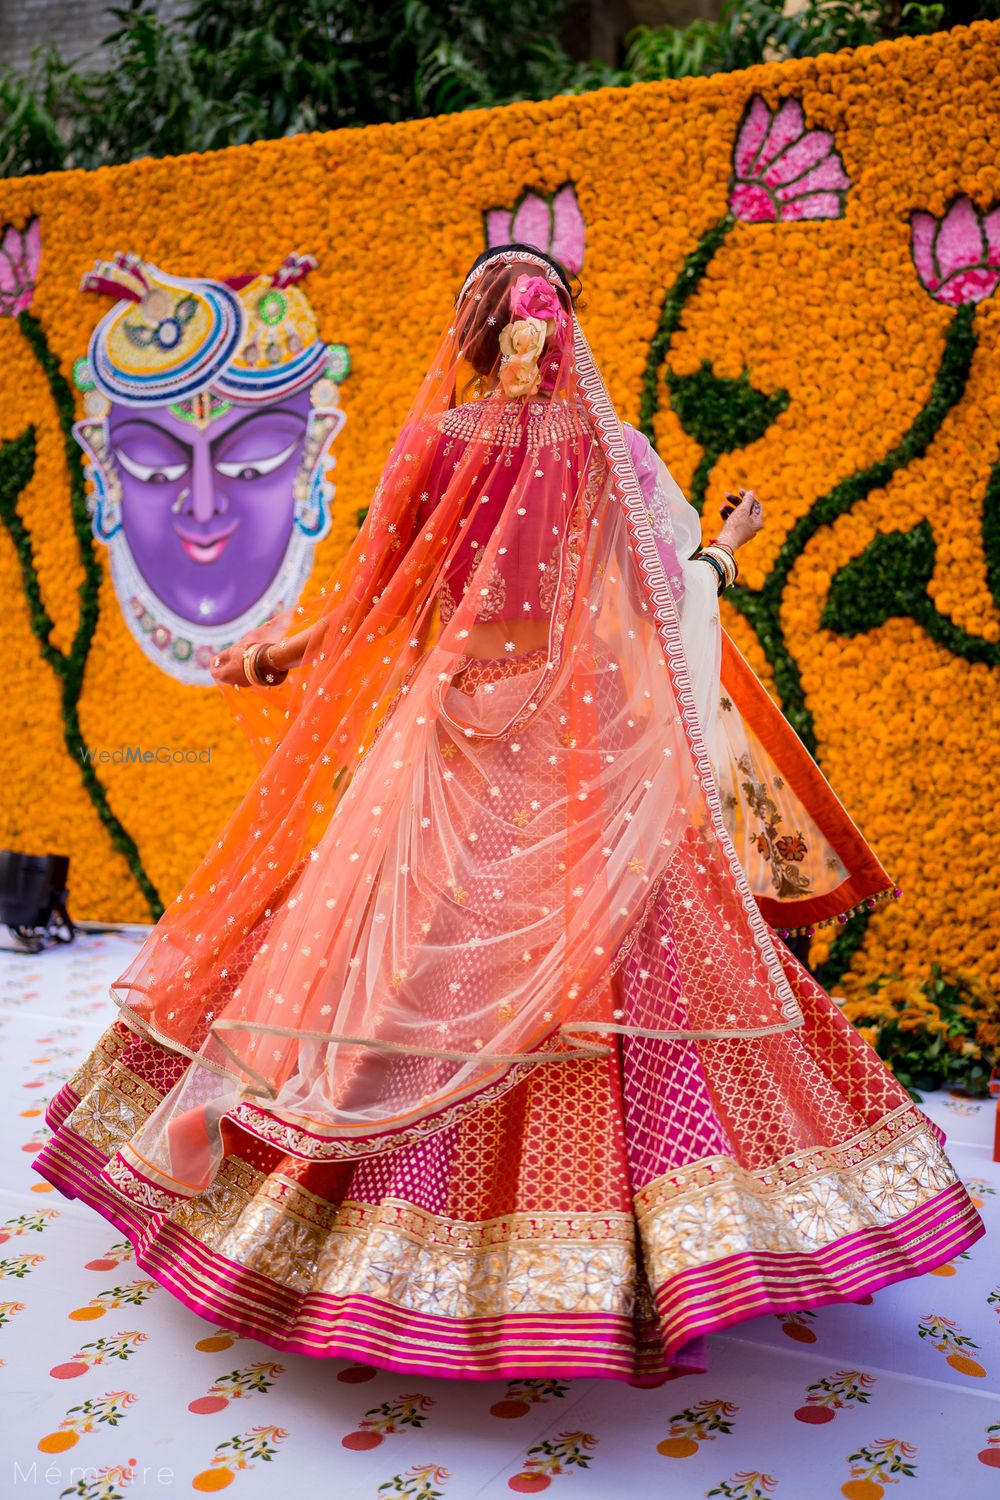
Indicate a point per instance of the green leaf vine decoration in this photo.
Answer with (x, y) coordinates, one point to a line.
(17, 467)
(891, 575)
(721, 415)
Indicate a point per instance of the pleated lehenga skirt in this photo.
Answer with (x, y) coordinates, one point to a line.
(596, 1219)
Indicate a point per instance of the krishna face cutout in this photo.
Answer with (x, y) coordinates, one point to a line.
(211, 410)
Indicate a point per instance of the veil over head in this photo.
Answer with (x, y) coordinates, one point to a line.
(487, 765)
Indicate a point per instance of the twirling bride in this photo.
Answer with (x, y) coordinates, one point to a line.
(472, 1047)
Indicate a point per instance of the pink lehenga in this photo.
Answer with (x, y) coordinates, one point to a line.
(471, 1047)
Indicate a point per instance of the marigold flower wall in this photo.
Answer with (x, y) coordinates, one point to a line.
(831, 340)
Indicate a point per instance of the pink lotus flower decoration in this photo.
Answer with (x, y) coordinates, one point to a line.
(957, 257)
(782, 171)
(20, 256)
(553, 224)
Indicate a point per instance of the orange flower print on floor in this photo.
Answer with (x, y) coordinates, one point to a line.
(796, 1325)
(113, 1257)
(990, 1455)
(251, 1381)
(33, 1223)
(699, 1423)
(550, 1457)
(133, 1294)
(824, 1398)
(949, 1267)
(949, 1340)
(217, 1341)
(979, 1190)
(748, 1484)
(521, 1395)
(106, 1483)
(236, 1454)
(9, 1310)
(418, 1483)
(87, 1417)
(120, 1346)
(380, 1421)
(17, 1267)
(885, 1461)
(37, 1140)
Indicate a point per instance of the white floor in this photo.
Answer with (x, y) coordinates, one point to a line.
(108, 1391)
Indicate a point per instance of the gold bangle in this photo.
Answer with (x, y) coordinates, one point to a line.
(725, 561)
(248, 668)
(728, 562)
(265, 676)
(731, 553)
(254, 670)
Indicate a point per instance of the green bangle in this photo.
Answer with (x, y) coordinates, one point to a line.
(716, 568)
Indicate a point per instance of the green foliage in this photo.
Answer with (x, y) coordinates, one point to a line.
(941, 1033)
(17, 467)
(30, 140)
(756, 31)
(230, 71)
(889, 578)
(991, 531)
(763, 606)
(696, 263)
(721, 414)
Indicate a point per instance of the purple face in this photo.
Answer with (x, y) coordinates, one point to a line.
(207, 512)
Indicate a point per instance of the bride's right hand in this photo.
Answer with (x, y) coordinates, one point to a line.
(227, 667)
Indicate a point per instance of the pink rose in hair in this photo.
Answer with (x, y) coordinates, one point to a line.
(534, 297)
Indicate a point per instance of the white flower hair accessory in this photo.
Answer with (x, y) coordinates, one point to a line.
(535, 305)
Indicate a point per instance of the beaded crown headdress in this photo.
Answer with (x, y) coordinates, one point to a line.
(171, 339)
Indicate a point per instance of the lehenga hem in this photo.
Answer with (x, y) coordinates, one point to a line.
(562, 1345)
(690, 1305)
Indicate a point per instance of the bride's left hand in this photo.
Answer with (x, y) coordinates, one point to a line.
(743, 521)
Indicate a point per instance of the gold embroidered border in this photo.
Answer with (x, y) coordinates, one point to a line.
(547, 1262)
(537, 1262)
(113, 1109)
(108, 1048)
(812, 1162)
(730, 1213)
(422, 1262)
(422, 1226)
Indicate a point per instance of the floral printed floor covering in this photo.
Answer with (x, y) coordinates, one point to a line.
(110, 1389)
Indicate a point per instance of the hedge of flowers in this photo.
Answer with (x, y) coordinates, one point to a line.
(943, 1032)
(790, 279)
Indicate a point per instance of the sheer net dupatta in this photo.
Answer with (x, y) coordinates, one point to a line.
(488, 764)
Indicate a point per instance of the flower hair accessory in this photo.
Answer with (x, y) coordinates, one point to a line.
(535, 305)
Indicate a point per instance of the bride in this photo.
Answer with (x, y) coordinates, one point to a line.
(471, 1047)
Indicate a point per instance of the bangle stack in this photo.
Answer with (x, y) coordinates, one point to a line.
(721, 560)
(256, 669)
